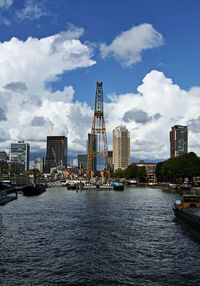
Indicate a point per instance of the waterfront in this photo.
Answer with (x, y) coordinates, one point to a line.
(97, 238)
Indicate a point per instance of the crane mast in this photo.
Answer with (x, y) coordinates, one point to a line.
(98, 131)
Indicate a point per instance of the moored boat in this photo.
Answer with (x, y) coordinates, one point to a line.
(188, 208)
(118, 186)
(32, 190)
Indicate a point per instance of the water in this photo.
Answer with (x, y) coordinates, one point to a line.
(97, 238)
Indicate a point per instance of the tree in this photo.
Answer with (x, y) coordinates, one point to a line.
(141, 174)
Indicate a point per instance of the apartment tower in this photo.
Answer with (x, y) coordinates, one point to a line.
(19, 155)
(121, 148)
(178, 141)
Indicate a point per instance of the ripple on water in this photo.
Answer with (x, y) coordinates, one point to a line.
(97, 238)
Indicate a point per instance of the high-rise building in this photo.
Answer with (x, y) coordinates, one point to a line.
(56, 152)
(19, 155)
(178, 141)
(121, 148)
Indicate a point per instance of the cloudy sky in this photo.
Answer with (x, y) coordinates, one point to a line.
(146, 52)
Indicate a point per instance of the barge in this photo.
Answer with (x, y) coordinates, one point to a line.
(188, 208)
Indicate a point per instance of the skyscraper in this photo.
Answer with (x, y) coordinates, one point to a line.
(56, 152)
(178, 140)
(121, 148)
(20, 155)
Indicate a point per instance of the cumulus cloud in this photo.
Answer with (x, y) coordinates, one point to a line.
(2, 114)
(150, 114)
(34, 111)
(16, 86)
(139, 116)
(33, 10)
(127, 48)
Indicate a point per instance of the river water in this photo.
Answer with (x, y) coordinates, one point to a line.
(97, 238)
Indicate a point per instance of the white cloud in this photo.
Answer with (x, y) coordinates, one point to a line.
(30, 110)
(150, 134)
(127, 48)
(33, 10)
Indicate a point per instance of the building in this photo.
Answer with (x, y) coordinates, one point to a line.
(82, 159)
(19, 155)
(110, 160)
(3, 156)
(121, 148)
(93, 161)
(56, 152)
(178, 141)
(150, 169)
(38, 164)
(3, 161)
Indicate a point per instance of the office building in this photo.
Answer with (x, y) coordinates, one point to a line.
(56, 152)
(19, 155)
(121, 148)
(178, 141)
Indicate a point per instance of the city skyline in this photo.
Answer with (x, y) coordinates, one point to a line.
(52, 55)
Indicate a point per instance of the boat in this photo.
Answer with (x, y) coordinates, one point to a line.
(89, 186)
(185, 186)
(131, 182)
(105, 187)
(71, 186)
(188, 208)
(118, 186)
(34, 190)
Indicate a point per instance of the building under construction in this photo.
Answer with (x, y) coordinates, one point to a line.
(98, 136)
(56, 152)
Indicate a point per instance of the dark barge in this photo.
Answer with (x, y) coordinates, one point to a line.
(188, 208)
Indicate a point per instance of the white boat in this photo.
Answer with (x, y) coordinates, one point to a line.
(89, 187)
(105, 187)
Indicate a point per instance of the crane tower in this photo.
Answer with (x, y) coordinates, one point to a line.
(98, 133)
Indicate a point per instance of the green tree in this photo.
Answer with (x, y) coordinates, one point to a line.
(141, 174)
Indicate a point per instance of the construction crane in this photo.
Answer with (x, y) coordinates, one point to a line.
(54, 155)
(99, 130)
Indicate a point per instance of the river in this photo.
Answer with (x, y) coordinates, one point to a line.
(97, 238)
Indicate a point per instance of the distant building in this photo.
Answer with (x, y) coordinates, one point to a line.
(178, 141)
(38, 164)
(94, 161)
(82, 159)
(150, 169)
(3, 161)
(110, 160)
(56, 152)
(121, 148)
(19, 155)
(3, 156)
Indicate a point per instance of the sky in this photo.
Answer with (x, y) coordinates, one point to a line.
(146, 53)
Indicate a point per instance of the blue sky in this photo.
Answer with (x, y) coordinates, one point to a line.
(52, 53)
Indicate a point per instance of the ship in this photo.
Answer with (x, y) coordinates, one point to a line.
(34, 190)
(188, 208)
